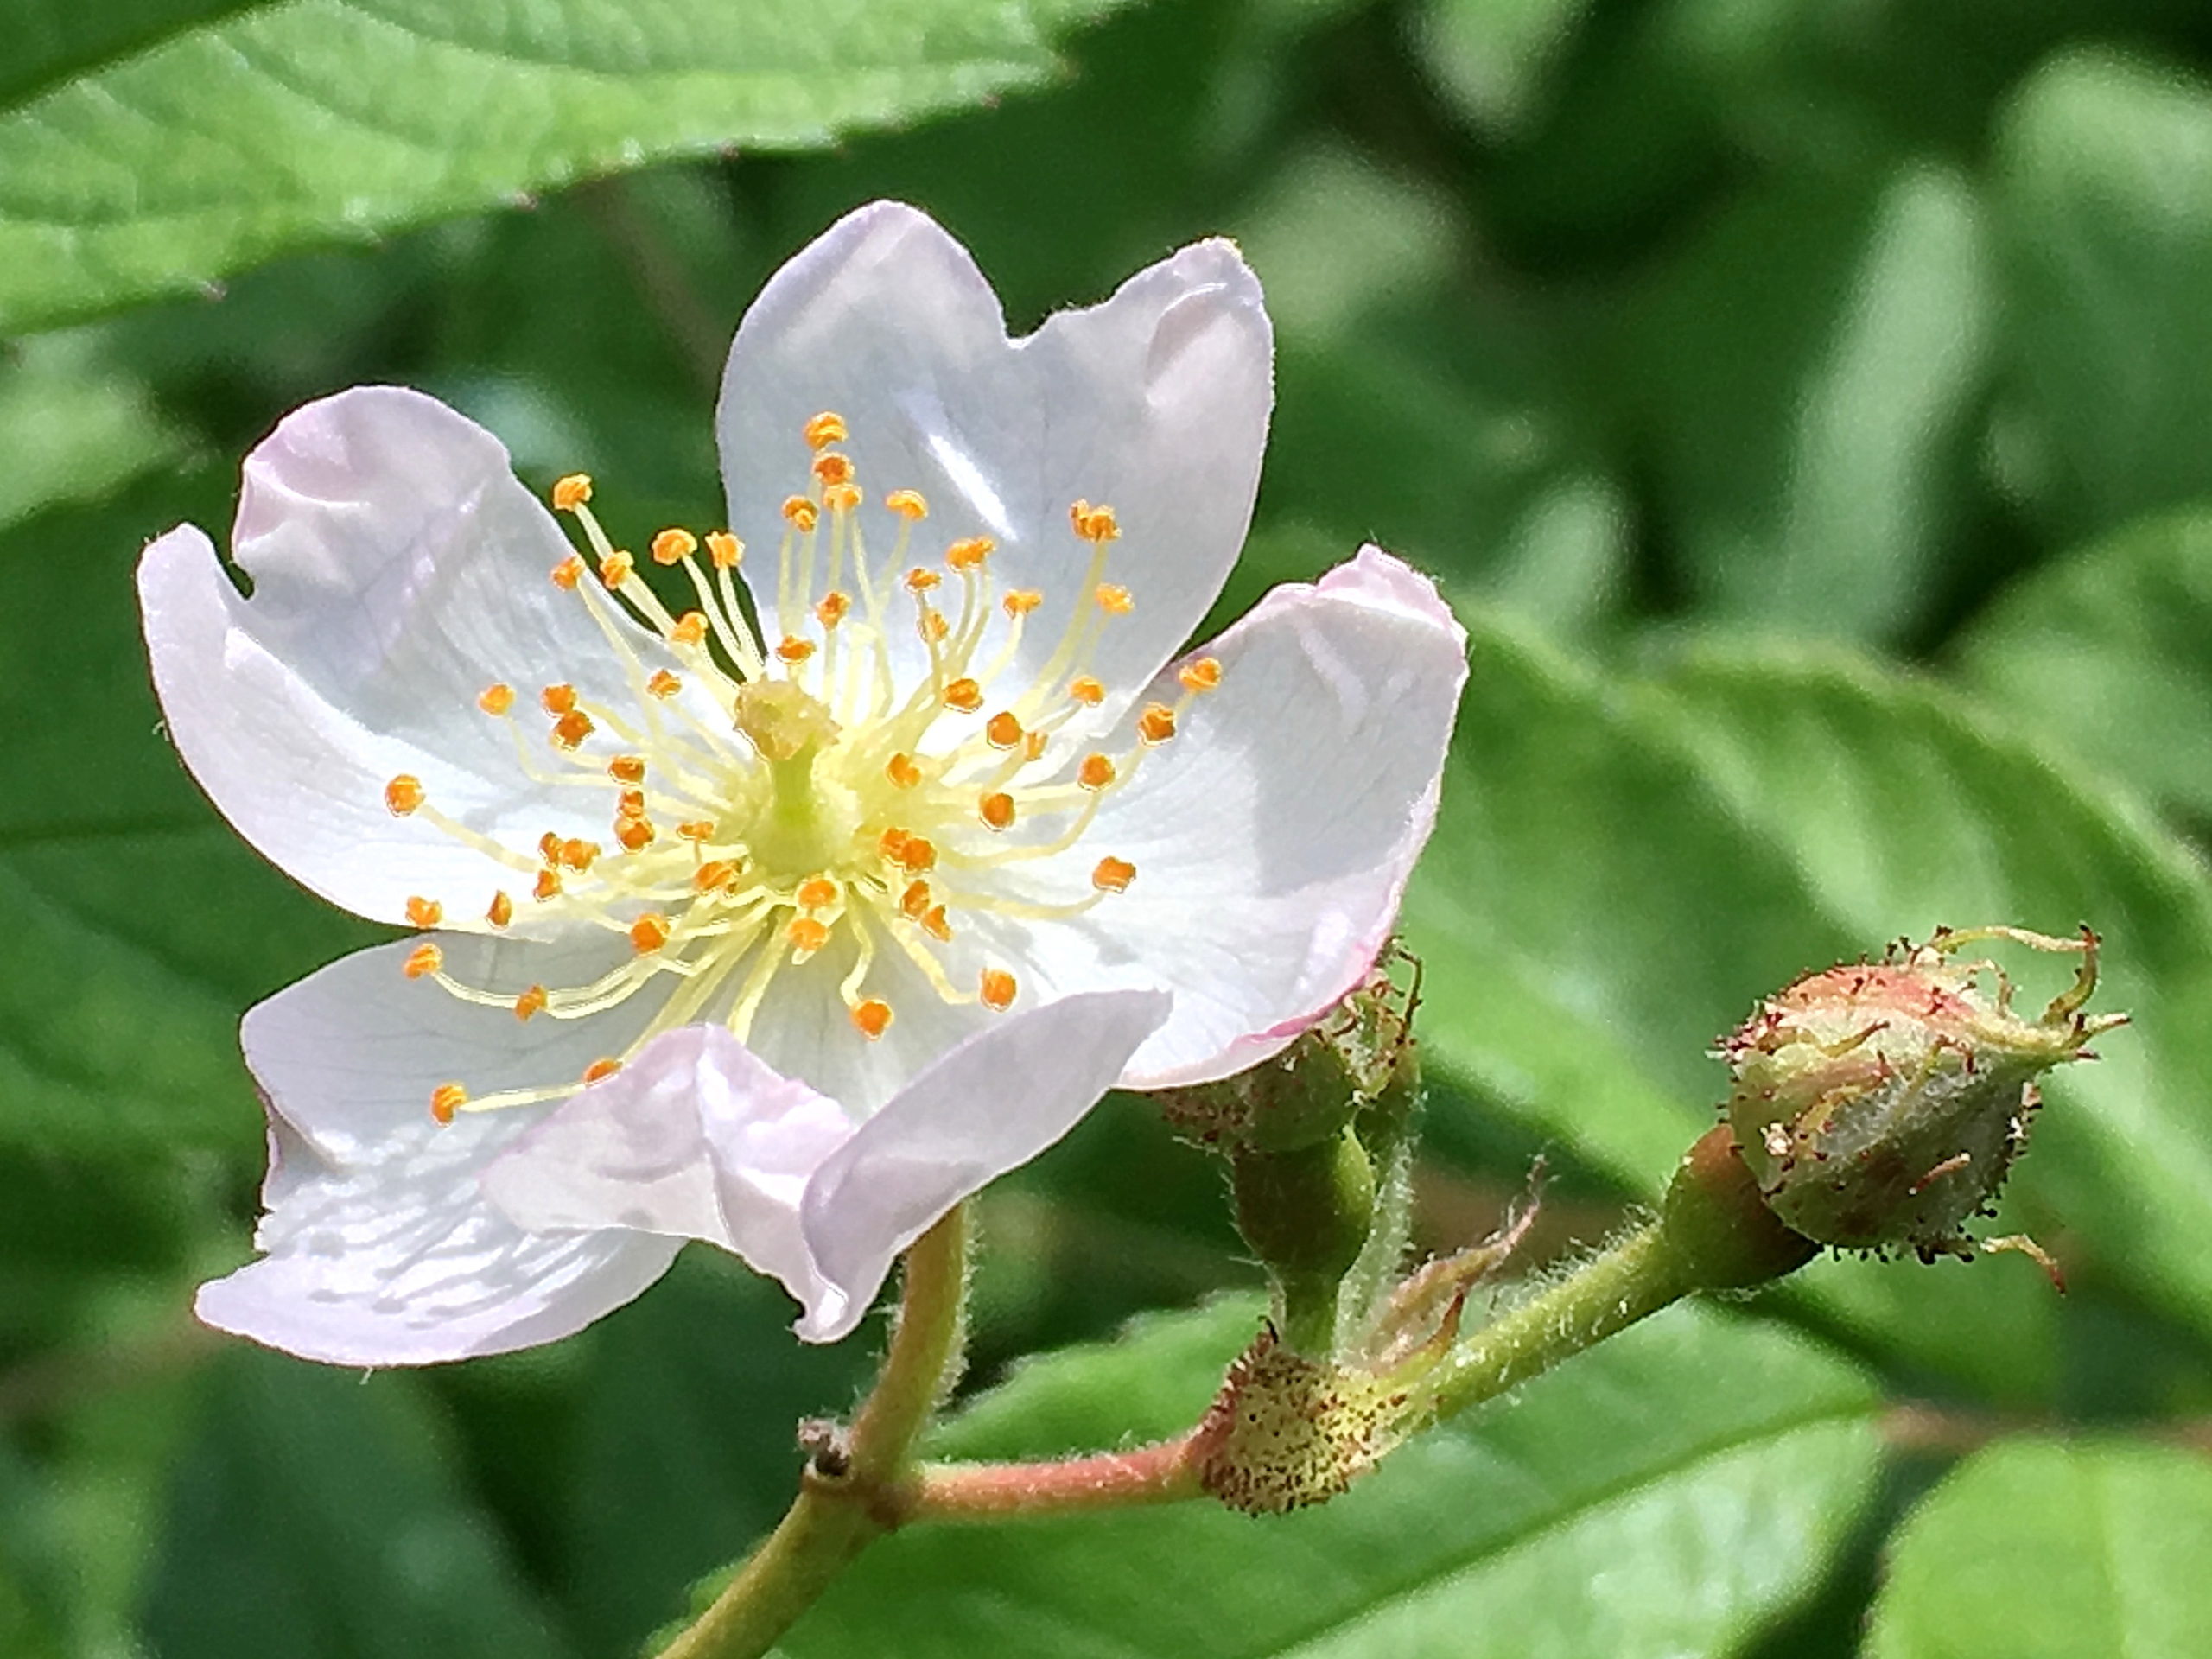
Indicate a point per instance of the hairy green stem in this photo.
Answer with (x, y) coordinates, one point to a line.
(843, 1505)
(1714, 1232)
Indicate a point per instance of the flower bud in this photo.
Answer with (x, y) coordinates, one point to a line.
(1358, 1059)
(1882, 1104)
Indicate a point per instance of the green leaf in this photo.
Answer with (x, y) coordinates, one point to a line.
(71, 429)
(1805, 372)
(152, 925)
(1665, 1494)
(1489, 58)
(2104, 176)
(2109, 651)
(2045, 1549)
(316, 1517)
(159, 151)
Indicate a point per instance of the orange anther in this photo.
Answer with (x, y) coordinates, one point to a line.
(696, 828)
(649, 932)
(892, 843)
(969, 553)
(579, 854)
(572, 491)
(549, 885)
(1113, 875)
(816, 892)
(908, 505)
(917, 854)
(965, 695)
(570, 571)
(673, 546)
(531, 1001)
(824, 430)
(1096, 771)
(841, 498)
(598, 1071)
(1033, 745)
(422, 960)
(935, 925)
(1021, 601)
(663, 684)
(634, 834)
(800, 513)
(548, 848)
(1113, 600)
(714, 873)
(614, 569)
(914, 903)
(933, 626)
(501, 910)
(690, 628)
(792, 649)
(1003, 729)
(1202, 676)
(832, 467)
(724, 549)
(447, 1099)
(806, 936)
(627, 768)
(1095, 525)
(557, 699)
(1084, 688)
(1157, 723)
(996, 810)
(833, 608)
(572, 728)
(998, 989)
(424, 912)
(496, 699)
(402, 795)
(902, 772)
(920, 580)
(872, 1017)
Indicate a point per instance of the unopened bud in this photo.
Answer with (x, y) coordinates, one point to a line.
(1359, 1058)
(1882, 1104)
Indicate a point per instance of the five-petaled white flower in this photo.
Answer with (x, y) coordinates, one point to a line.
(784, 940)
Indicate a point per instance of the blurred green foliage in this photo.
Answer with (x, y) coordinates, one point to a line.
(1808, 406)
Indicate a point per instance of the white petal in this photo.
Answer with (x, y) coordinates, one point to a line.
(1273, 835)
(398, 569)
(695, 1138)
(1154, 403)
(987, 1106)
(380, 1249)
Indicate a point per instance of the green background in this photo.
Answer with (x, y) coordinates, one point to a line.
(1808, 408)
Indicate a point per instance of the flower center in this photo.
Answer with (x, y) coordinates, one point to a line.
(771, 803)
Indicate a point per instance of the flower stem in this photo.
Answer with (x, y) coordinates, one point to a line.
(844, 1508)
(1165, 1472)
(1714, 1232)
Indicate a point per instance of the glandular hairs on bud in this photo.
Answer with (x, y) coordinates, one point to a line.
(1882, 1104)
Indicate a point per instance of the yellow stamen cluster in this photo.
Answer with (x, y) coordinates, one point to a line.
(813, 802)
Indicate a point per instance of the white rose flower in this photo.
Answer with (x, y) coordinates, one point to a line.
(787, 942)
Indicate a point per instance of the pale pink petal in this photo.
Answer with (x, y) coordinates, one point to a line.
(987, 1106)
(1154, 403)
(1274, 835)
(398, 569)
(379, 1248)
(695, 1138)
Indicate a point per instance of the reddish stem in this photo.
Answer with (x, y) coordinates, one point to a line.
(1165, 1472)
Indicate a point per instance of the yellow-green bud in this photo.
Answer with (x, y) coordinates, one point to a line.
(1882, 1104)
